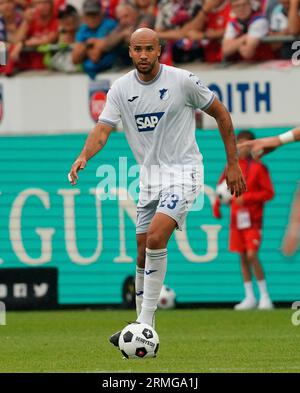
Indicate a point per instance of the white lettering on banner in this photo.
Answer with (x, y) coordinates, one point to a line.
(15, 228)
(20, 290)
(3, 291)
(40, 290)
(70, 227)
(126, 204)
(212, 244)
(210, 193)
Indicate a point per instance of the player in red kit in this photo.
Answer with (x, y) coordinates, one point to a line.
(246, 224)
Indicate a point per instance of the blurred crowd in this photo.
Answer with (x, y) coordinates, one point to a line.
(93, 35)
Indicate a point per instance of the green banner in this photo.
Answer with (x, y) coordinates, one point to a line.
(46, 222)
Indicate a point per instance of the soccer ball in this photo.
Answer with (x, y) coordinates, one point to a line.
(139, 341)
(223, 193)
(166, 298)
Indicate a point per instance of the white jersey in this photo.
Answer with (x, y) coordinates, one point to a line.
(159, 117)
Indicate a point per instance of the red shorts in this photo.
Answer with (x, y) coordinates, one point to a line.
(242, 240)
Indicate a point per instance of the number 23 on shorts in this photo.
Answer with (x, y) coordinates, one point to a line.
(169, 199)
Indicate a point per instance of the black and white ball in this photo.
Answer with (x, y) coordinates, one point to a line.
(223, 193)
(139, 341)
(167, 298)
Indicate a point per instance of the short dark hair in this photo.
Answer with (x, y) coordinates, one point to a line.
(246, 134)
(67, 10)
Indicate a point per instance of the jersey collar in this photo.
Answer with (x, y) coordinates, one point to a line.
(153, 80)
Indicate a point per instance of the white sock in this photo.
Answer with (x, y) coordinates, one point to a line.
(262, 286)
(249, 290)
(139, 289)
(155, 271)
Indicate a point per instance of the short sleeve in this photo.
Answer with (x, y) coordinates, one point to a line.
(197, 94)
(111, 113)
(259, 28)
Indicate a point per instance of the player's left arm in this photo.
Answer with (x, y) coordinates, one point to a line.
(95, 142)
(234, 177)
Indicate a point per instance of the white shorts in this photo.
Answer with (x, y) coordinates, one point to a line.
(173, 200)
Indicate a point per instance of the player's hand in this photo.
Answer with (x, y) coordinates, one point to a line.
(235, 180)
(260, 147)
(78, 165)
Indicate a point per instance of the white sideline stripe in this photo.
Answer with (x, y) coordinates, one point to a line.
(220, 369)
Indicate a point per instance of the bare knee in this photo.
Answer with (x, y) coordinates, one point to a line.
(251, 256)
(155, 241)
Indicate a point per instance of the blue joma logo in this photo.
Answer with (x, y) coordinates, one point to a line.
(148, 121)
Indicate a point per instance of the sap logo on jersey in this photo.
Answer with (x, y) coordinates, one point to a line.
(148, 121)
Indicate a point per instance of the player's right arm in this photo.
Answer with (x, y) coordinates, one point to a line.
(94, 143)
(97, 138)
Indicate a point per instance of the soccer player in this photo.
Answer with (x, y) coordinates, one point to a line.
(246, 224)
(157, 106)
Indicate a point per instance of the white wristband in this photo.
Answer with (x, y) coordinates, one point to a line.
(286, 137)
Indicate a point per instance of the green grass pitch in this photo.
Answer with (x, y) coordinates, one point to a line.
(191, 341)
